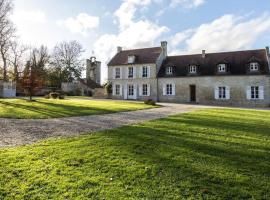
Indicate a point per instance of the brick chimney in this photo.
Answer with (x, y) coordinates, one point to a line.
(267, 50)
(119, 49)
(164, 46)
(203, 53)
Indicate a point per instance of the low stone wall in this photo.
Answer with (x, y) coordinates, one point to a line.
(100, 93)
(76, 89)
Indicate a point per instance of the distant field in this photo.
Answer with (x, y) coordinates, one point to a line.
(43, 108)
(208, 154)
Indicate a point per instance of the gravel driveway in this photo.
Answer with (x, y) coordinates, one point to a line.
(15, 132)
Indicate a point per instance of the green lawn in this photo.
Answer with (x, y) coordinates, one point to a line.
(43, 108)
(208, 154)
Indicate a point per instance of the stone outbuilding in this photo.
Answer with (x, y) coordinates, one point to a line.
(87, 86)
(7, 89)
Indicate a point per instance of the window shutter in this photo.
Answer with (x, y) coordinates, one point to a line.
(114, 73)
(140, 90)
(261, 92)
(140, 72)
(148, 89)
(121, 73)
(125, 91)
(113, 89)
(135, 91)
(121, 90)
(248, 92)
(127, 73)
(134, 72)
(216, 93)
(148, 71)
(164, 90)
(173, 89)
(228, 93)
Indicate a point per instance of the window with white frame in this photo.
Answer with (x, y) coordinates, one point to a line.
(169, 89)
(169, 70)
(117, 72)
(254, 66)
(222, 92)
(130, 90)
(130, 72)
(131, 59)
(222, 68)
(145, 72)
(144, 89)
(117, 89)
(193, 69)
(255, 92)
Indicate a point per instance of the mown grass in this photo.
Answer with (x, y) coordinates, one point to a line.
(44, 108)
(208, 154)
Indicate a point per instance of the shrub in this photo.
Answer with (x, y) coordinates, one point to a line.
(54, 95)
(150, 102)
(62, 96)
(108, 87)
(47, 96)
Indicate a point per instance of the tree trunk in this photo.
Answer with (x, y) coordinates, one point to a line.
(4, 65)
(5, 69)
(16, 77)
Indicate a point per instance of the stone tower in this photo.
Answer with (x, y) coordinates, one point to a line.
(93, 70)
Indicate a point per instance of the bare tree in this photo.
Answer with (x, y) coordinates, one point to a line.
(66, 61)
(7, 31)
(16, 55)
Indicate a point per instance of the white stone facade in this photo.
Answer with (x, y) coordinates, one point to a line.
(125, 82)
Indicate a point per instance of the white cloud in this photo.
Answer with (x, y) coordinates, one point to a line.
(31, 25)
(127, 10)
(228, 32)
(81, 24)
(29, 16)
(132, 33)
(187, 3)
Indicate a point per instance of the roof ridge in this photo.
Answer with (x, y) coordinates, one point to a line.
(140, 49)
(197, 54)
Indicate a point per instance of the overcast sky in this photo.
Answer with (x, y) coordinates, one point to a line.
(188, 25)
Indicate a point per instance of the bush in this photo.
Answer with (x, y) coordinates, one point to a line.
(150, 102)
(108, 87)
(62, 96)
(47, 96)
(54, 95)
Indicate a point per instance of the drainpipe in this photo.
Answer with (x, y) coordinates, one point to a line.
(157, 90)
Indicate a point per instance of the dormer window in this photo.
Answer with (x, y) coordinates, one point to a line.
(169, 70)
(193, 69)
(254, 66)
(222, 68)
(131, 59)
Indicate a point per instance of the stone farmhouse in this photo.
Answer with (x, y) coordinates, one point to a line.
(240, 78)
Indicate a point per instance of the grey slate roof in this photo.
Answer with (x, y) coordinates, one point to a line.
(237, 62)
(143, 56)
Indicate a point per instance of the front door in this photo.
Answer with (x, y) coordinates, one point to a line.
(193, 93)
(131, 92)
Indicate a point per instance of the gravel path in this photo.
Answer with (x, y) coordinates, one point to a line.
(14, 132)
